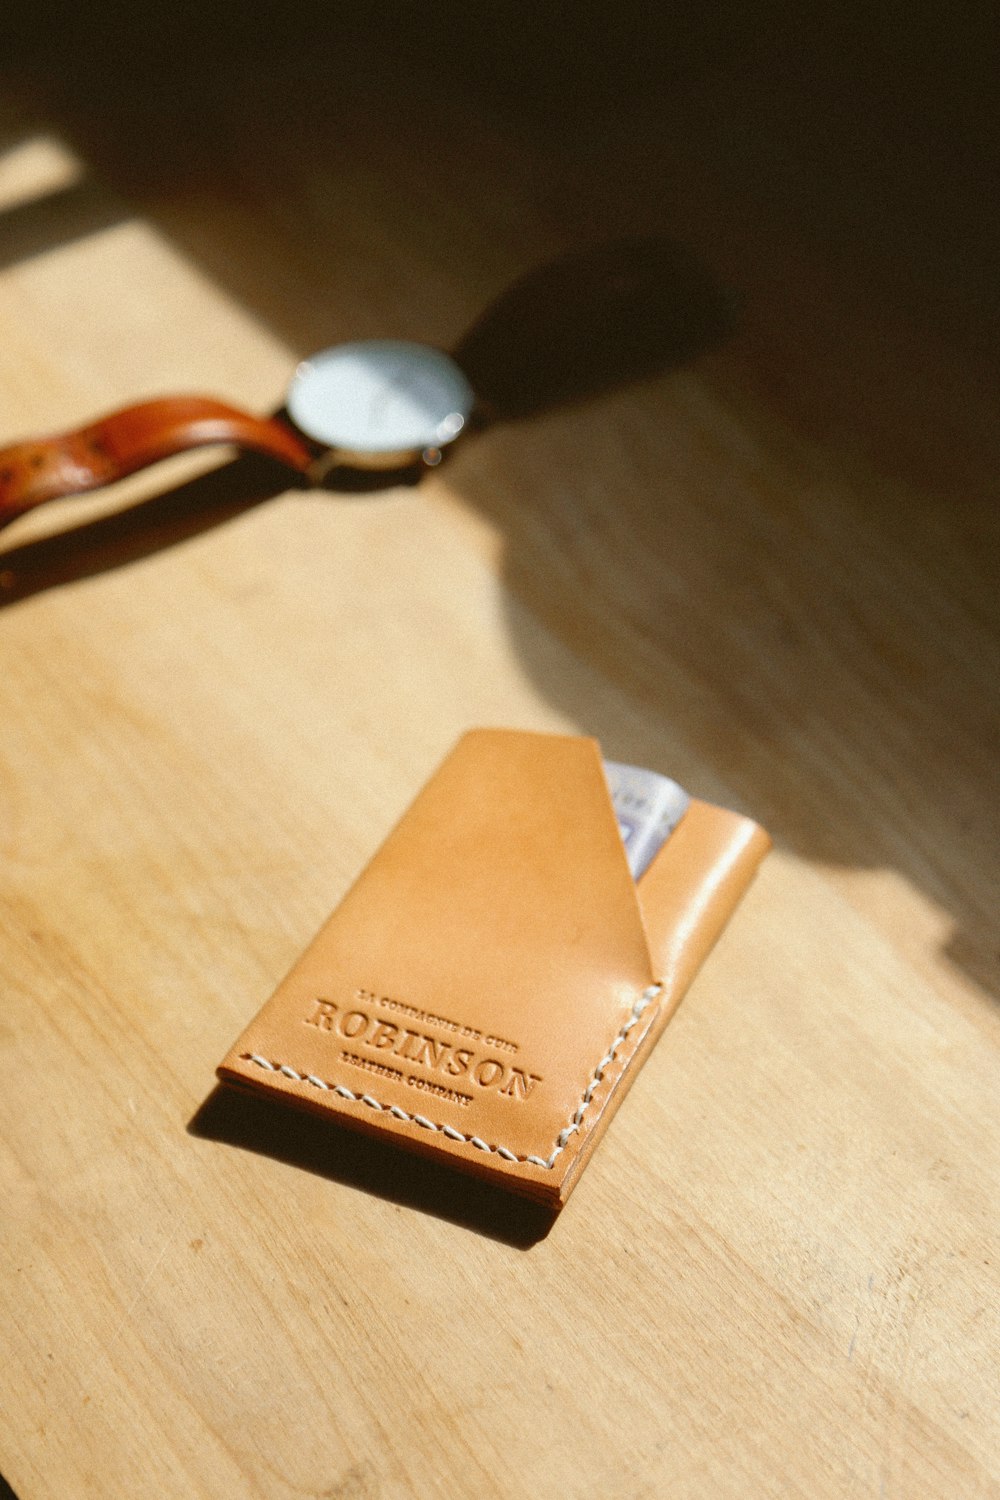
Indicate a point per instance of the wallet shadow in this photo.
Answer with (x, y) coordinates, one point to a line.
(301, 1139)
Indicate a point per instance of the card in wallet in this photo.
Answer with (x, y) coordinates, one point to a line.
(487, 990)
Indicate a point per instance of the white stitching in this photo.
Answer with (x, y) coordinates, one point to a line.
(562, 1139)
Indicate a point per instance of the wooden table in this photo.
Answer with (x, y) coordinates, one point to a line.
(765, 570)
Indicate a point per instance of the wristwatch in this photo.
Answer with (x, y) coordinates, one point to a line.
(379, 404)
(575, 326)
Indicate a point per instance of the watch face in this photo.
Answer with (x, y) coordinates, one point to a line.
(380, 396)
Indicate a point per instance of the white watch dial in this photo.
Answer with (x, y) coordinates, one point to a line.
(380, 396)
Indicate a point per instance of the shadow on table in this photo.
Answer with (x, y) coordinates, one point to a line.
(176, 515)
(301, 1139)
(140, 530)
(799, 595)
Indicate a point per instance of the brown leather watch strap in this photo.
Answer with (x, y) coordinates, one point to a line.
(71, 463)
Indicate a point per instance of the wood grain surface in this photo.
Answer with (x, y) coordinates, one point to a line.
(766, 568)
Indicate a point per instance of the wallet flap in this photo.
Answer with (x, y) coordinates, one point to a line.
(479, 990)
(509, 861)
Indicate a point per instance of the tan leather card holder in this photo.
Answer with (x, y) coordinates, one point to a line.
(489, 987)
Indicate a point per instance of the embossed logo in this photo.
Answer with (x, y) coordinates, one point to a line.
(380, 1042)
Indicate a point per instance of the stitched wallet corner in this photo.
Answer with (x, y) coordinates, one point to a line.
(487, 990)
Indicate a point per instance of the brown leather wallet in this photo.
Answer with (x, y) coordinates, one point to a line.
(488, 989)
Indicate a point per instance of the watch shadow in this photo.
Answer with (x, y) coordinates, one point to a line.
(589, 322)
(122, 537)
(138, 531)
(301, 1139)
